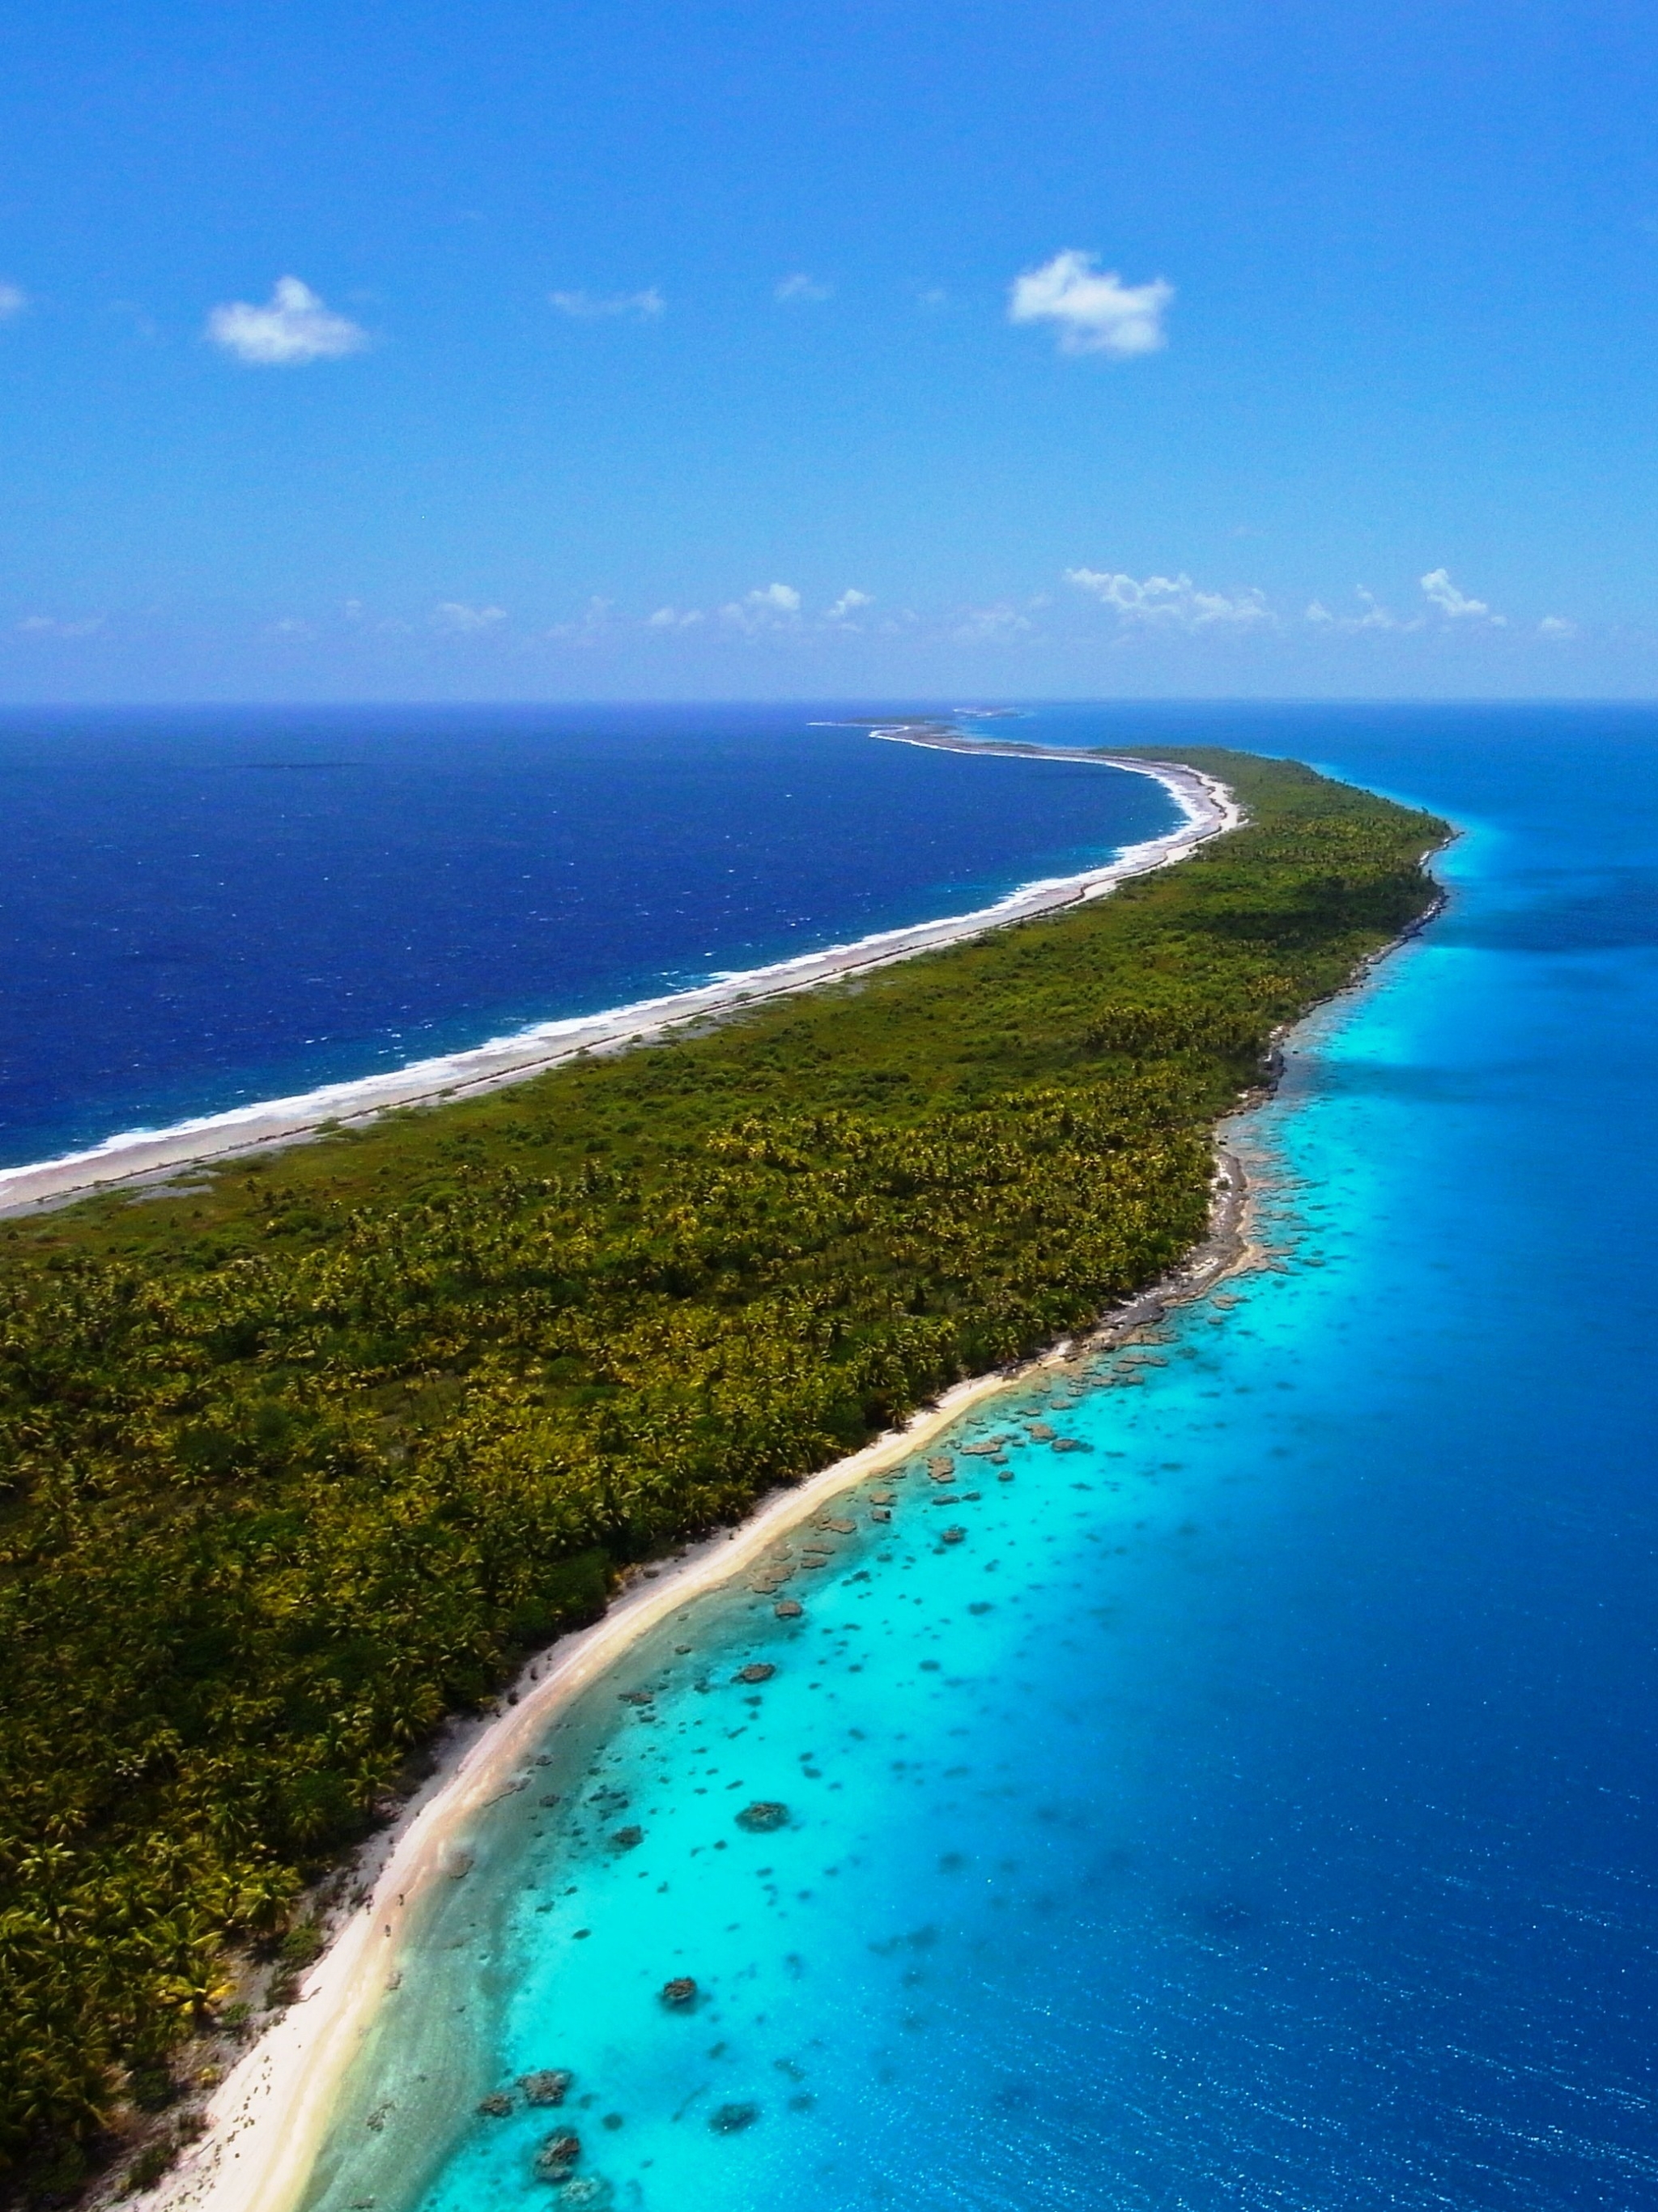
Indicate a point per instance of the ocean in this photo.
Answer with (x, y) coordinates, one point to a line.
(210, 907)
(1258, 1806)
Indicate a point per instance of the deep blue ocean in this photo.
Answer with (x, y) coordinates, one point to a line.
(1259, 1809)
(206, 908)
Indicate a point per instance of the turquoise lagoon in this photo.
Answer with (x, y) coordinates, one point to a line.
(1257, 1807)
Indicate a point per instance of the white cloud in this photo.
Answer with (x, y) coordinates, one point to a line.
(51, 626)
(771, 606)
(1456, 605)
(455, 615)
(1556, 626)
(1095, 311)
(1173, 602)
(803, 288)
(587, 307)
(848, 604)
(674, 618)
(13, 300)
(292, 328)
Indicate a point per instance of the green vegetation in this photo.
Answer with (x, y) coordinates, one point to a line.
(295, 1463)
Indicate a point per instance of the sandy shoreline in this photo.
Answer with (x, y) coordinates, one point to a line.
(148, 1156)
(268, 2120)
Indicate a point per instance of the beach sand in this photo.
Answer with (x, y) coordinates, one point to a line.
(266, 2122)
(146, 1156)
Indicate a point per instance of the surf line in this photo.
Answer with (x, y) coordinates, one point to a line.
(1208, 808)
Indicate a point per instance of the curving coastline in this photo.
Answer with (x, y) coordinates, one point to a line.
(267, 2121)
(1208, 807)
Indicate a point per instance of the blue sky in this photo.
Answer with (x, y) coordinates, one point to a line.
(895, 350)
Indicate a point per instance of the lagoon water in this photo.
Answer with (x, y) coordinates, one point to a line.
(207, 907)
(1258, 1806)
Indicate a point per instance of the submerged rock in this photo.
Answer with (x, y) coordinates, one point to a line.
(495, 2105)
(756, 1671)
(951, 1535)
(765, 1814)
(790, 1609)
(731, 2119)
(549, 2086)
(625, 1839)
(880, 1513)
(590, 2193)
(557, 2155)
(680, 1994)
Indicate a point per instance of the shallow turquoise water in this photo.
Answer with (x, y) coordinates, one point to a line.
(1256, 1807)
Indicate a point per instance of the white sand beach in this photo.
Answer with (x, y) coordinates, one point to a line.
(149, 1155)
(267, 2121)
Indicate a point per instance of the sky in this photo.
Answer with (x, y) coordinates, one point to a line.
(887, 350)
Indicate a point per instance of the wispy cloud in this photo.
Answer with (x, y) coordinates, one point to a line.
(1173, 602)
(1456, 605)
(675, 618)
(849, 603)
(1557, 627)
(800, 289)
(1000, 623)
(53, 626)
(1094, 311)
(1373, 616)
(594, 625)
(292, 328)
(462, 621)
(13, 301)
(592, 308)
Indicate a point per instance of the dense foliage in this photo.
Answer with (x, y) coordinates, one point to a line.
(296, 1461)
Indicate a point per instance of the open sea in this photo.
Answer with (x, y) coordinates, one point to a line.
(1258, 1806)
(206, 908)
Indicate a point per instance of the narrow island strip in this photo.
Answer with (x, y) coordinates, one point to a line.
(337, 1441)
